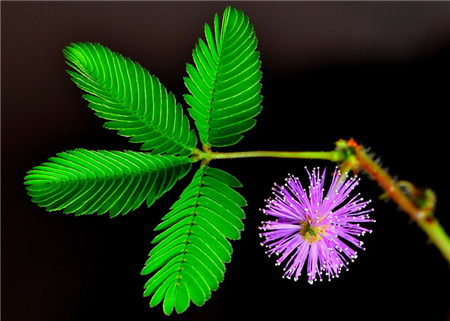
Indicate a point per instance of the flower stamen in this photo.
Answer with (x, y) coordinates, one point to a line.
(314, 227)
(311, 234)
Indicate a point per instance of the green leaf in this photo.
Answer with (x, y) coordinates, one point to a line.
(85, 182)
(134, 102)
(225, 83)
(187, 262)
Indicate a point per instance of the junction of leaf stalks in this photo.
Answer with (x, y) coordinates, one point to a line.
(203, 156)
(311, 234)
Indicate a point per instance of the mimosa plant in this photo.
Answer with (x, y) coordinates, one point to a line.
(187, 262)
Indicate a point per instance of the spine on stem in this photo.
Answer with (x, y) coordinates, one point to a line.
(419, 204)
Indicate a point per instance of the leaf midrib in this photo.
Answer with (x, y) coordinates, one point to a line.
(186, 243)
(213, 91)
(83, 177)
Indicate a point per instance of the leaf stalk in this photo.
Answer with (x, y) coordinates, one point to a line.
(334, 156)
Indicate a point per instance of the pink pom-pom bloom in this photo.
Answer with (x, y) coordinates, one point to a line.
(316, 228)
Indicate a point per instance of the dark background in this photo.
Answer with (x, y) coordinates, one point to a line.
(378, 72)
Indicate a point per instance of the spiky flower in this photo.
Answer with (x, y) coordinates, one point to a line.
(316, 228)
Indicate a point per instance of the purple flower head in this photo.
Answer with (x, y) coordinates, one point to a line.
(315, 227)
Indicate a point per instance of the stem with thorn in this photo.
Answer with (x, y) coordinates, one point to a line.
(418, 204)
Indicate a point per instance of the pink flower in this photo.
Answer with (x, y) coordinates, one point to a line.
(316, 228)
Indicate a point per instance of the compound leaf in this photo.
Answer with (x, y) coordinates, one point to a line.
(225, 83)
(84, 182)
(134, 102)
(187, 262)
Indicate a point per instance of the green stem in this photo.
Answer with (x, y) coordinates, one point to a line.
(437, 235)
(334, 156)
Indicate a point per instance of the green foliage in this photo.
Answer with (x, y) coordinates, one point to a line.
(85, 182)
(134, 102)
(187, 263)
(225, 82)
(188, 260)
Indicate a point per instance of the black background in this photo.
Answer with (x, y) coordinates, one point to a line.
(378, 72)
